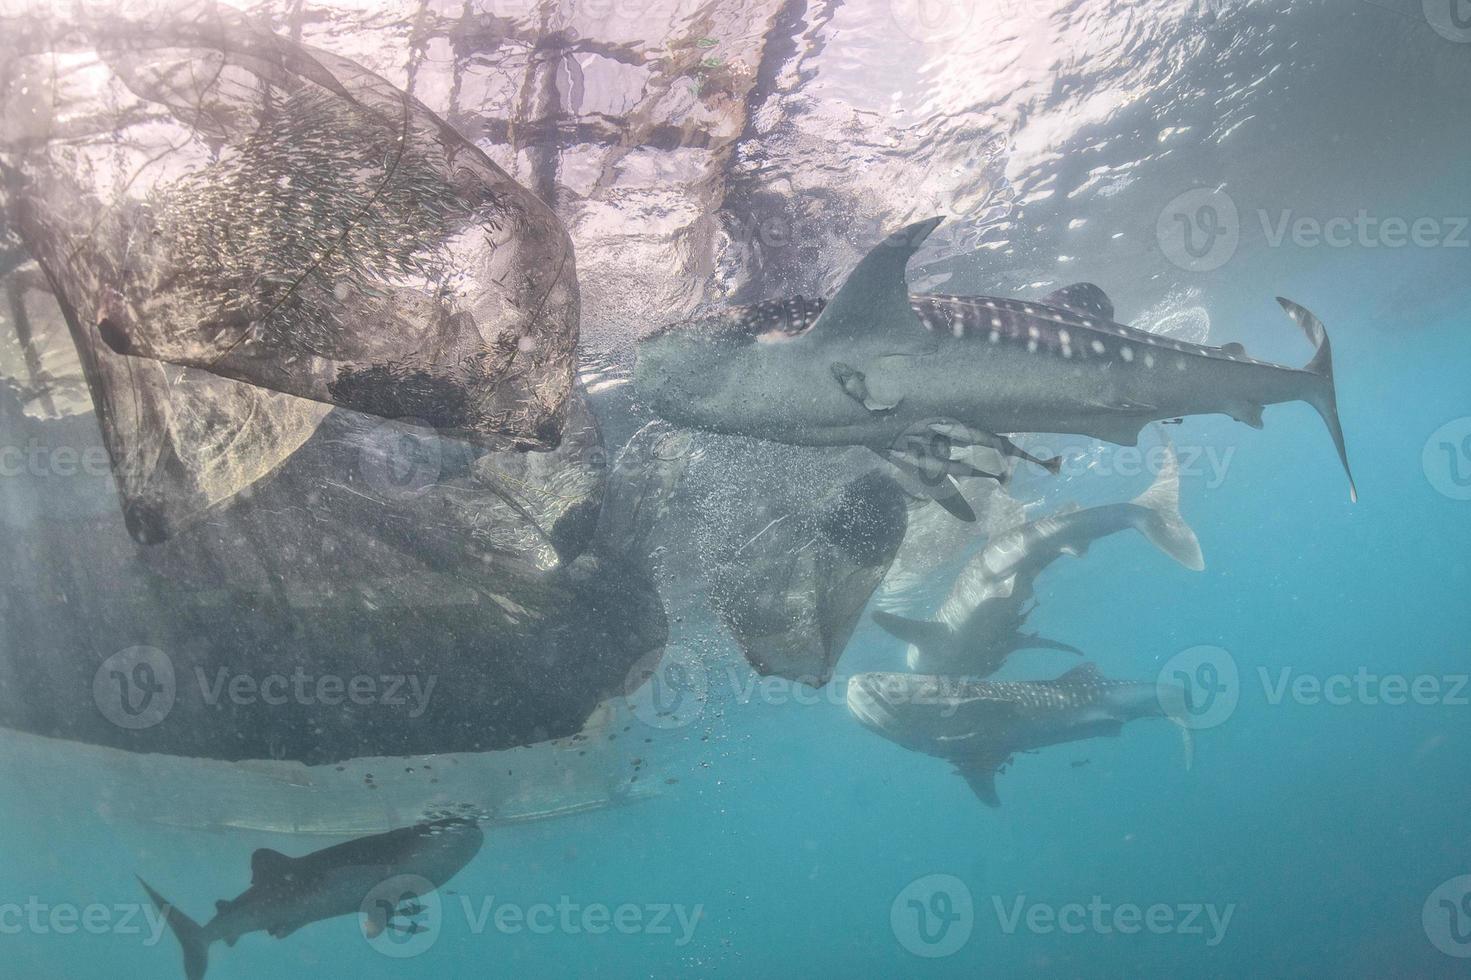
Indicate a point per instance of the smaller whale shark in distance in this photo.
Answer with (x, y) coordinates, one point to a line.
(979, 624)
(287, 893)
(979, 725)
(877, 366)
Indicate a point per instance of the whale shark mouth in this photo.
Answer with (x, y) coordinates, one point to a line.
(871, 710)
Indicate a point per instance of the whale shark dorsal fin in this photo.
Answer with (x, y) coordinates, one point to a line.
(1234, 349)
(268, 865)
(1082, 297)
(1082, 674)
(875, 296)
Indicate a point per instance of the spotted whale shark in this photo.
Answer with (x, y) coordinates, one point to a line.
(287, 893)
(914, 375)
(979, 725)
(980, 622)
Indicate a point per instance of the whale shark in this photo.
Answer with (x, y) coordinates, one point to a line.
(979, 624)
(979, 725)
(913, 375)
(287, 893)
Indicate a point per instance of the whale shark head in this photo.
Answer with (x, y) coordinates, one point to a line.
(913, 710)
(705, 372)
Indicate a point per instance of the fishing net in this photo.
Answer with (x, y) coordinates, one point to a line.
(212, 203)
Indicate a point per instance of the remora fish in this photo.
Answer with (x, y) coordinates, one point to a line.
(287, 893)
(980, 725)
(878, 366)
(978, 626)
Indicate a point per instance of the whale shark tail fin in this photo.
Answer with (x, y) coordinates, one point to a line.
(1322, 394)
(1187, 739)
(191, 935)
(1160, 520)
(929, 636)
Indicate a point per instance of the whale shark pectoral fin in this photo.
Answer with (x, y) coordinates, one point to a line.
(875, 296)
(947, 494)
(967, 435)
(979, 772)
(922, 483)
(983, 783)
(283, 929)
(1084, 297)
(1250, 414)
(268, 865)
(1036, 641)
(923, 633)
(1121, 430)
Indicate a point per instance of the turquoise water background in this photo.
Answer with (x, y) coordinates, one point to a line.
(1326, 827)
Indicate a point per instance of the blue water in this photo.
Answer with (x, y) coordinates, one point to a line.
(1324, 827)
(791, 834)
